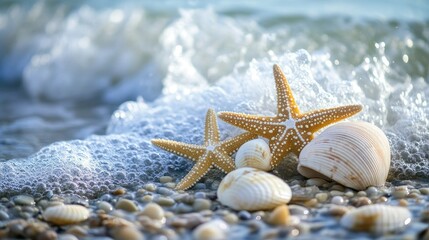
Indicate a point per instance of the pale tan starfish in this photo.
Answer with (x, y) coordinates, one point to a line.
(212, 153)
(290, 130)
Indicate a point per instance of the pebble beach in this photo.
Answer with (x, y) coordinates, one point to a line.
(156, 211)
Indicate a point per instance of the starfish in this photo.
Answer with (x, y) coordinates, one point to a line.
(290, 130)
(213, 153)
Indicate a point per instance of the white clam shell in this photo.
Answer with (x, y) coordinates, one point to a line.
(252, 189)
(354, 154)
(377, 219)
(255, 153)
(66, 214)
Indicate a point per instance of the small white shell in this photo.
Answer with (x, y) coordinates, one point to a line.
(377, 218)
(354, 154)
(252, 189)
(66, 214)
(255, 153)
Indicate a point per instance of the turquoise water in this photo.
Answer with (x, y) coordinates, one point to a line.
(132, 71)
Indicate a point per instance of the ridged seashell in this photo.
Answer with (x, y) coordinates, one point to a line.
(354, 154)
(252, 189)
(377, 218)
(255, 153)
(66, 214)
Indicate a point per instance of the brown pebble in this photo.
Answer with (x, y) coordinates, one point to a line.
(311, 203)
(403, 203)
(127, 205)
(382, 199)
(279, 216)
(119, 191)
(361, 201)
(338, 211)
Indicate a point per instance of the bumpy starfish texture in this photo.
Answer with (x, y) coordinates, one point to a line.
(290, 130)
(213, 153)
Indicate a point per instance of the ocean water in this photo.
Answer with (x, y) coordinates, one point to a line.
(85, 86)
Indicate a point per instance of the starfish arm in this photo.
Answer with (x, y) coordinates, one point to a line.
(280, 147)
(313, 121)
(197, 172)
(211, 130)
(231, 145)
(223, 161)
(190, 151)
(259, 125)
(286, 105)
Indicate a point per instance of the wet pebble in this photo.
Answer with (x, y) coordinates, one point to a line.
(165, 201)
(279, 216)
(337, 200)
(372, 191)
(200, 195)
(165, 179)
(321, 197)
(105, 206)
(244, 215)
(165, 191)
(23, 200)
(230, 218)
(201, 204)
(3, 215)
(400, 192)
(299, 211)
(153, 211)
(119, 191)
(67, 236)
(424, 191)
(215, 229)
(361, 201)
(316, 182)
(150, 187)
(126, 205)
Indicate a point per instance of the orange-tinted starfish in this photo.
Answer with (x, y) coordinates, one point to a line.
(212, 153)
(290, 130)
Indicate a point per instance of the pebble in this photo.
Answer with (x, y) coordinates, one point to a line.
(105, 206)
(171, 185)
(165, 201)
(338, 188)
(338, 211)
(316, 182)
(299, 211)
(403, 203)
(349, 194)
(126, 205)
(361, 201)
(279, 216)
(3, 216)
(213, 230)
(48, 235)
(337, 200)
(150, 187)
(381, 199)
(165, 179)
(146, 198)
(165, 191)
(361, 194)
(312, 203)
(321, 197)
(334, 193)
(400, 192)
(200, 195)
(201, 204)
(244, 215)
(230, 218)
(183, 208)
(23, 200)
(154, 211)
(372, 191)
(424, 191)
(119, 191)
